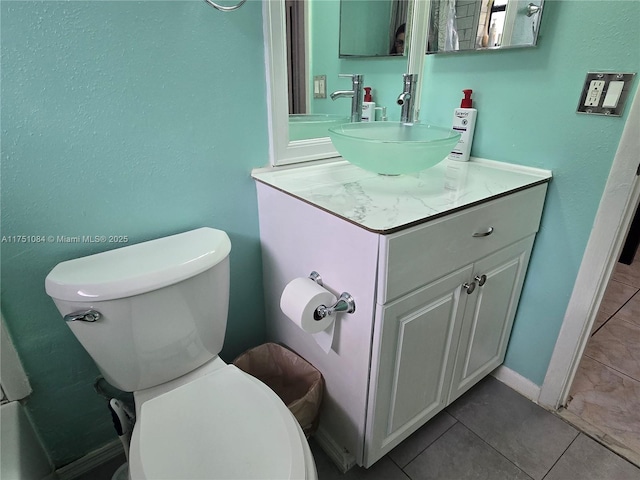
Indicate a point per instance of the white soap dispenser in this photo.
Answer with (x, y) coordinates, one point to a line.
(464, 122)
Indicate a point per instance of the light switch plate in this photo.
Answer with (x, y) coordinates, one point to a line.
(320, 86)
(605, 93)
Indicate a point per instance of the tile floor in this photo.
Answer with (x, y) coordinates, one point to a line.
(490, 433)
(605, 396)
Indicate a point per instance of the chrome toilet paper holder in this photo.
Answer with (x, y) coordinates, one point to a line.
(345, 302)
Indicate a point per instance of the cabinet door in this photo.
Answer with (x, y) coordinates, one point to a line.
(414, 346)
(489, 315)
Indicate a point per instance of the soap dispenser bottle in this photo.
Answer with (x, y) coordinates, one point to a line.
(464, 122)
(493, 35)
(368, 107)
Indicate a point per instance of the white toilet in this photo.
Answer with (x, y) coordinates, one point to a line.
(153, 317)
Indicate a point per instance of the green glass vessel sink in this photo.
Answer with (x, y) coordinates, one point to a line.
(393, 148)
(315, 125)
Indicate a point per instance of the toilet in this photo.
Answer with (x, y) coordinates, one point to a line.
(153, 317)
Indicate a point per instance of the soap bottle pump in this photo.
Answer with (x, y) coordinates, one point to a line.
(368, 107)
(464, 122)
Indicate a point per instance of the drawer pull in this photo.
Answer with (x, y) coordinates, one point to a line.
(469, 287)
(481, 279)
(486, 233)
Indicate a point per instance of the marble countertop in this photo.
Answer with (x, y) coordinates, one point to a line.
(385, 204)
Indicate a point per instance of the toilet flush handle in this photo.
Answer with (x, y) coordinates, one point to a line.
(83, 316)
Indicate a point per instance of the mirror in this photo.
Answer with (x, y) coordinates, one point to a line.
(303, 33)
(281, 150)
(463, 25)
(312, 46)
(372, 29)
(317, 32)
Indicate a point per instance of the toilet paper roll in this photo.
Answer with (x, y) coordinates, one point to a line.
(299, 301)
(325, 338)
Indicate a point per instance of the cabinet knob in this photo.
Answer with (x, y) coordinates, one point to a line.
(481, 279)
(469, 287)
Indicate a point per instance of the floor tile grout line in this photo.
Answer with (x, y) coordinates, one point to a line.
(631, 283)
(616, 312)
(425, 448)
(614, 279)
(401, 469)
(630, 325)
(635, 264)
(637, 380)
(598, 437)
(599, 440)
(578, 432)
(497, 451)
(600, 327)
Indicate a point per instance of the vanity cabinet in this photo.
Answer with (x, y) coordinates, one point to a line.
(489, 311)
(414, 353)
(434, 343)
(435, 303)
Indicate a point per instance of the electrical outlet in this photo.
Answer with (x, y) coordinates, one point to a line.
(605, 93)
(594, 93)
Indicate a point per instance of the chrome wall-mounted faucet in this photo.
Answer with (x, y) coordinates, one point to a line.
(407, 98)
(357, 82)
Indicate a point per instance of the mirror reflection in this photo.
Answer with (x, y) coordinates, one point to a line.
(462, 25)
(321, 38)
(311, 24)
(372, 29)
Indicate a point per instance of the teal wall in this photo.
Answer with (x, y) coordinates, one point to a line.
(526, 101)
(365, 25)
(132, 118)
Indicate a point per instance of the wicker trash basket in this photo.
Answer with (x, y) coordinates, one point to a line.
(298, 383)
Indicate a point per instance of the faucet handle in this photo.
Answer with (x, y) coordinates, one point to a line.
(355, 77)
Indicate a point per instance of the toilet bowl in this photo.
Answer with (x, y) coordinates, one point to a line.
(153, 317)
(225, 422)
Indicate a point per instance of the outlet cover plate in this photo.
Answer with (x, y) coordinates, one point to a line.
(589, 106)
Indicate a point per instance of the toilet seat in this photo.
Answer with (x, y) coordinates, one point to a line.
(225, 425)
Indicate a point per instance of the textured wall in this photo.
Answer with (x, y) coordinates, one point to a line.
(122, 118)
(526, 101)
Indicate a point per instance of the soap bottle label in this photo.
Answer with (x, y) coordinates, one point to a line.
(368, 111)
(463, 123)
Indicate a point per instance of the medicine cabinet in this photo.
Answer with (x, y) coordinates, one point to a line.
(464, 25)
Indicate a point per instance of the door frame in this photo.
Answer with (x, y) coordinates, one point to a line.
(612, 221)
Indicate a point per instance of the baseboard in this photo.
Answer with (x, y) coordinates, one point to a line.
(517, 382)
(90, 461)
(343, 459)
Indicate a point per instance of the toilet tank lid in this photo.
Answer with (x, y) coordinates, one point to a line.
(139, 268)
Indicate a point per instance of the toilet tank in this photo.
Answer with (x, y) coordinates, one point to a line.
(163, 306)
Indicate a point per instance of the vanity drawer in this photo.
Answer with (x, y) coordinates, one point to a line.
(413, 257)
